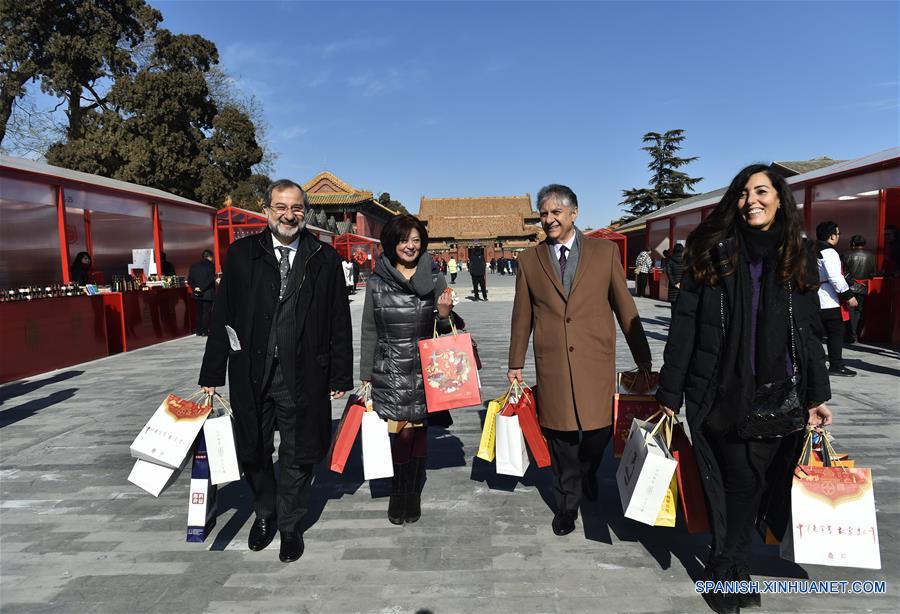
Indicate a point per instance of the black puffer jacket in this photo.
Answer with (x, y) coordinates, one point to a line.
(404, 312)
(690, 374)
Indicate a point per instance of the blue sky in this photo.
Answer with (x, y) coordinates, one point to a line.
(472, 99)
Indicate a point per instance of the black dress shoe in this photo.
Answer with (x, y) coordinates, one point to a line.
(261, 533)
(842, 370)
(721, 603)
(589, 488)
(740, 573)
(291, 547)
(564, 522)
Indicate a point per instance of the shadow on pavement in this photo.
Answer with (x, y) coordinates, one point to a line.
(860, 365)
(17, 389)
(29, 408)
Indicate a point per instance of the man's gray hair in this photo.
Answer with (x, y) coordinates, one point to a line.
(559, 193)
(283, 184)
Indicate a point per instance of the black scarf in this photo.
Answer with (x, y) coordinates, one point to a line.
(737, 380)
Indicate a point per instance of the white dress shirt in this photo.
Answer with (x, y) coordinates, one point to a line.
(293, 245)
(568, 245)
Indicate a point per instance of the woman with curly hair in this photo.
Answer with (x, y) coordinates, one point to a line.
(746, 323)
(403, 298)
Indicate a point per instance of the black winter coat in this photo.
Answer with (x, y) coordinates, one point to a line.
(674, 272)
(689, 374)
(316, 356)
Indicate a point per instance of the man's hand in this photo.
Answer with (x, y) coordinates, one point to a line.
(668, 410)
(210, 390)
(853, 302)
(337, 394)
(198, 290)
(819, 415)
(645, 366)
(515, 375)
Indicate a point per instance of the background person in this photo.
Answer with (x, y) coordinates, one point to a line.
(403, 297)
(80, 271)
(477, 269)
(832, 291)
(642, 266)
(675, 272)
(859, 266)
(283, 295)
(453, 269)
(567, 290)
(202, 280)
(730, 334)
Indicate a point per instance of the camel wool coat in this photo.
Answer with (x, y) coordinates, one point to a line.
(574, 335)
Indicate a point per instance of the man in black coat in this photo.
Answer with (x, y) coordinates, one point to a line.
(281, 327)
(202, 280)
(477, 268)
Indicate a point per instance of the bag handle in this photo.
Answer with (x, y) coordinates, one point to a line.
(224, 403)
(452, 327)
(666, 423)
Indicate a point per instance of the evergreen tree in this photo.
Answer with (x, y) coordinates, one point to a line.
(669, 184)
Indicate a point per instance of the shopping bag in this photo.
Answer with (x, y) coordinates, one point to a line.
(832, 517)
(637, 382)
(449, 370)
(202, 502)
(627, 407)
(221, 450)
(645, 471)
(487, 445)
(668, 510)
(376, 447)
(512, 456)
(167, 437)
(152, 477)
(690, 488)
(347, 429)
(525, 407)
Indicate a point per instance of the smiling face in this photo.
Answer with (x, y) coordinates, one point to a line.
(558, 219)
(409, 249)
(286, 214)
(759, 202)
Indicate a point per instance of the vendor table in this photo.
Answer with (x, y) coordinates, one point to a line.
(50, 333)
(141, 318)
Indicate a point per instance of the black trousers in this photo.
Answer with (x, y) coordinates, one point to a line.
(834, 334)
(743, 464)
(478, 280)
(204, 310)
(574, 455)
(641, 283)
(286, 499)
(453, 277)
(855, 317)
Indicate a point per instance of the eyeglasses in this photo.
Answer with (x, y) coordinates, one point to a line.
(282, 209)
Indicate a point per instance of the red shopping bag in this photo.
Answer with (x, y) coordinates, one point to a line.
(690, 488)
(347, 430)
(627, 407)
(526, 409)
(450, 372)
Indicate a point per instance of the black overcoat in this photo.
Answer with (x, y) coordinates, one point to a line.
(690, 374)
(203, 275)
(316, 357)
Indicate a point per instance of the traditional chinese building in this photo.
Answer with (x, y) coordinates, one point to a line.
(502, 225)
(340, 208)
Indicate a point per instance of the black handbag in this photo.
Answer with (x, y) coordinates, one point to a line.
(776, 409)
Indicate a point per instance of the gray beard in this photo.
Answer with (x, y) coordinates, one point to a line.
(273, 228)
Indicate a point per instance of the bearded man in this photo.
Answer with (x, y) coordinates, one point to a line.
(281, 328)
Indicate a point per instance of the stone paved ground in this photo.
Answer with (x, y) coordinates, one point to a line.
(75, 536)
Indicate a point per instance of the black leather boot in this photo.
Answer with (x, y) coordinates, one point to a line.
(741, 573)
(414, 489)
(396, 506)
(721, 603)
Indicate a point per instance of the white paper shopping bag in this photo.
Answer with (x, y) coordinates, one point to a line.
(152, 477)
(167, 437)
(832, 518)
(511, 454)
(221, 451)
(644, 473)
(376, 447)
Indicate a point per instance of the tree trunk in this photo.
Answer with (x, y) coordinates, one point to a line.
(76, 129)
(6, 107)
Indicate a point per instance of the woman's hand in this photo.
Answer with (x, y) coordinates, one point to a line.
(819, 415)
(445, 303)
(668, 410)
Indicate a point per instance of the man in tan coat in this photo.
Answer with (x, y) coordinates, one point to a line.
(567, 290)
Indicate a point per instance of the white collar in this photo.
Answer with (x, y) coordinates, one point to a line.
(293, 245)
(568, 245)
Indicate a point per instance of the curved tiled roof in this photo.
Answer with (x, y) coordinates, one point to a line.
(480, 217)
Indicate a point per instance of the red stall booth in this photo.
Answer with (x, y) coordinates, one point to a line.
(358, 249)
(620, 240)
(48, 215)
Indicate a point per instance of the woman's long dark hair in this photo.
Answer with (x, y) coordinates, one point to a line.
(723, 221)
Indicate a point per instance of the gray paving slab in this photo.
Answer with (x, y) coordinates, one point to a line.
(75, 536)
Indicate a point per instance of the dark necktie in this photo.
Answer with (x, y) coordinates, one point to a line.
(284, 267)
(562, 261)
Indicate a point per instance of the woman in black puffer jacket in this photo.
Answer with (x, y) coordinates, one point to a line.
(748, 268)
(403, 298)
(674, 273)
